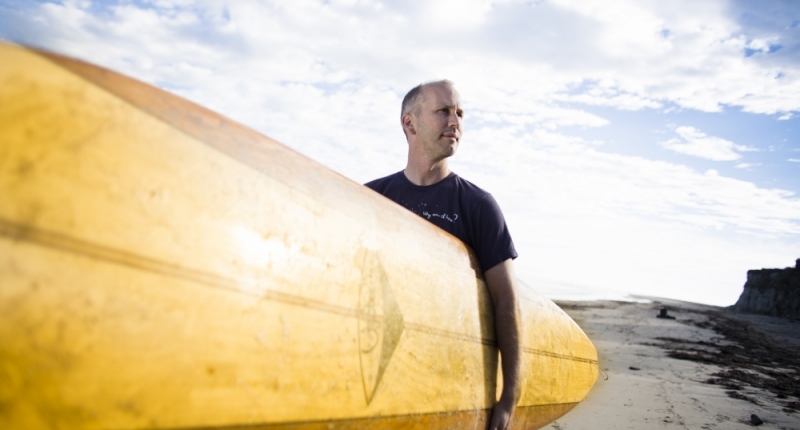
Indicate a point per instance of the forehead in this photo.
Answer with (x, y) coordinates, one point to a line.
(440, 94)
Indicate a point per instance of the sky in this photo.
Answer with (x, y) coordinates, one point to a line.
(636, 147)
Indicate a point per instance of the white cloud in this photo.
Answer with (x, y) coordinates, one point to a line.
(458, 14)
(794, 160)
(614, 222)
(326, 78)
(614, 184)
(746, 165)
(695, 142)
(625, 54)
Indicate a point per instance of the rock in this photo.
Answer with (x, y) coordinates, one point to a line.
(773, 292)
(634, 368)
(663, 314)
(755, 420)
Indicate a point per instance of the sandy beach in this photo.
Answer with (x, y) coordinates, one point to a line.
(706, 369)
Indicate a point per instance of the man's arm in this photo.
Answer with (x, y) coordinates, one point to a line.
(501, 283)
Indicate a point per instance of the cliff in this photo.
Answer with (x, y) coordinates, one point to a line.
(772, 292)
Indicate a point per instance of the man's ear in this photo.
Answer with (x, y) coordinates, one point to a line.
(408, 124)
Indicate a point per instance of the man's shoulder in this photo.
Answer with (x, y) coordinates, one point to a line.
(475, 195)
(381, 184)
(470, 188)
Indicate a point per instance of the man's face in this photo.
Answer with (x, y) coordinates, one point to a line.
(438, 122)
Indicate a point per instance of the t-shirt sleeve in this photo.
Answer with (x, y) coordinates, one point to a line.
(491, 237)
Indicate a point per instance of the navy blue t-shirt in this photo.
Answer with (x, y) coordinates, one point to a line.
(460, 208)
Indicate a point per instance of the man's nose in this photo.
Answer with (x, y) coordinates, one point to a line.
(454, 120)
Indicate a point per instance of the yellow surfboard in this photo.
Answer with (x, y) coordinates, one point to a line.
(164, 267)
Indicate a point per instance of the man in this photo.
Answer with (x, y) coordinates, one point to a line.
(431, 117)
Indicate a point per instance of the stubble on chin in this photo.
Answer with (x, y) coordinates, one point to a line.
(441, 151)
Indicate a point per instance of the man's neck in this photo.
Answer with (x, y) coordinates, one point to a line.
(427, 174)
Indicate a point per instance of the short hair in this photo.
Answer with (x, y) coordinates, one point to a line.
(411, 100)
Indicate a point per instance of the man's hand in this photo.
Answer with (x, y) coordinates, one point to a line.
(501, 415)
(500, 281)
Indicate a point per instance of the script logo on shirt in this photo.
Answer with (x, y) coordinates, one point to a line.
(451, 218)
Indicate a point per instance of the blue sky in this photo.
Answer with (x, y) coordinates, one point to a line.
(642, 147)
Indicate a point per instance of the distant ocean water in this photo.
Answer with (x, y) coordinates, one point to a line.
(555, 290)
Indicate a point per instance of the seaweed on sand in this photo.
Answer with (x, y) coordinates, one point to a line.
(748, 358)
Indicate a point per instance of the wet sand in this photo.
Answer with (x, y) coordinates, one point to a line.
(706, 369)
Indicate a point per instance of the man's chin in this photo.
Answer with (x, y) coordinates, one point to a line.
(443, 151)
(448, 152)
